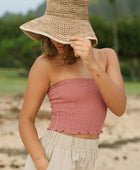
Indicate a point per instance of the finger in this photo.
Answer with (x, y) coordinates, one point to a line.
(78, 43)
(79, 49)
(78, 53)
(83, 48)
(75, 38)
(77, 46)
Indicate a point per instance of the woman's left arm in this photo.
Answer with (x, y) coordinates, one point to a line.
(110, 83)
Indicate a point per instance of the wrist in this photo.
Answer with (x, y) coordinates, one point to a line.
(39, 158)
(94, 67)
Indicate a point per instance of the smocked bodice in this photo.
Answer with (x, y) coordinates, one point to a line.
(77, 106)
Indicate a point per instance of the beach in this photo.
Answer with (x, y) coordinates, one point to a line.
(119, 146)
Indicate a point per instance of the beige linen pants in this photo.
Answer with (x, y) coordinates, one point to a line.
(67, 152)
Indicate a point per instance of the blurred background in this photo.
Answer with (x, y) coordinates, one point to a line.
(116, 24)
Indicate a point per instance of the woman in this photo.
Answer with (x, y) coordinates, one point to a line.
(81, 82)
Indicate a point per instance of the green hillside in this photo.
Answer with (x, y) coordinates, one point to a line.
(103, 8)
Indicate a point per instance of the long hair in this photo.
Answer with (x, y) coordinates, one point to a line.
(50, 51)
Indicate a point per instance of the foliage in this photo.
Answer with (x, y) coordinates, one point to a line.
(104, 9)
(103, 31)
(129, 37)
(18, 50)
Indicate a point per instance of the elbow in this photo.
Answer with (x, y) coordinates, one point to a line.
(119, 114)
(119, 107)
(23, 121)
(121, 110)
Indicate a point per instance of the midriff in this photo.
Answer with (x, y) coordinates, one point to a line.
(85, 136)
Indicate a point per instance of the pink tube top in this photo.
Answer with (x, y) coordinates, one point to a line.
(77, 106)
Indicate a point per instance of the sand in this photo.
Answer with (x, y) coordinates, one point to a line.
(119, 147)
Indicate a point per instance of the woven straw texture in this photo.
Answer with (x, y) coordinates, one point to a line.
(62, 19)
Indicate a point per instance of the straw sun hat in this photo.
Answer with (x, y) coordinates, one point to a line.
(62, 19)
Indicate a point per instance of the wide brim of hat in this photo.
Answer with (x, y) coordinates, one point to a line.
(59, 29)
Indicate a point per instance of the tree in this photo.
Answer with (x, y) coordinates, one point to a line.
(115, 24)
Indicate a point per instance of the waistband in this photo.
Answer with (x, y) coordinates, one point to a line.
(70, 142)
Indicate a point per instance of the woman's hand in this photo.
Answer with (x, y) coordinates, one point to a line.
(83, 48)
(41, 163)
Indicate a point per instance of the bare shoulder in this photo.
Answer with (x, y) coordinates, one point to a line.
(42, 66)
(44, 61)
(39, 74)
(36, 89)
(111, 55)
(102, 57)
(103, 52)
(113, 67)
(107, 51)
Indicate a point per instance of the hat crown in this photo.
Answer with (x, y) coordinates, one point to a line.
(75, 9)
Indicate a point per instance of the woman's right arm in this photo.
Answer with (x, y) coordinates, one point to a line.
(36, 89)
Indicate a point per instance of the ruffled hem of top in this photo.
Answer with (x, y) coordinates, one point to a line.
(72, 132)
(76, 126)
